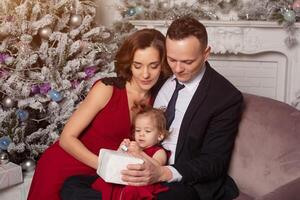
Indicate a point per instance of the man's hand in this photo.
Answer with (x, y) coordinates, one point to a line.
(145, 174)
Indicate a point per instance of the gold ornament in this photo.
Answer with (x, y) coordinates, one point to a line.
(45, 33)
(164, 4)
(3, 35)
(75, 20)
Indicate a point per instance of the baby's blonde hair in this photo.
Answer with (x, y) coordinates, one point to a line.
(157, 116)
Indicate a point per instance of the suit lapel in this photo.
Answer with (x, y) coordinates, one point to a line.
(196, 101)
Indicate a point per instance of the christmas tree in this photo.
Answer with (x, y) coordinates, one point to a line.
(51, 52)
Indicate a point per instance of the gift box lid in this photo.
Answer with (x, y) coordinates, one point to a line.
(112, 162)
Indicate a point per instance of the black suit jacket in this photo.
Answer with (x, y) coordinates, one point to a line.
(207, 135)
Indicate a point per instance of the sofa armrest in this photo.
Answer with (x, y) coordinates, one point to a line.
(290, 191)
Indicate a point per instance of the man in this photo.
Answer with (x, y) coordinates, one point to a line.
(205, 124)
(203, 114)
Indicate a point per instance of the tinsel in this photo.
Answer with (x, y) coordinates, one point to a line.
(32, 64)
(262, 10)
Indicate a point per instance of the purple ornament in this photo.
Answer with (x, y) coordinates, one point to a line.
(35, 89)
(90, 71)
(3, 73)
(44, 88)
(75, 83)
(3, 56)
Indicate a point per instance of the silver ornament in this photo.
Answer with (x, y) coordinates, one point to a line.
(8, 102)
(3, 158)
(45, 33)
(164, 4)
(139, 9)
(28, 165)
(289, 16)
(75, 20)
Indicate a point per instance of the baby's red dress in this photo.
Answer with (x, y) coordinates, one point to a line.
(112, 191)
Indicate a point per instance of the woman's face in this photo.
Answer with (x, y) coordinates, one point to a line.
(146, 68)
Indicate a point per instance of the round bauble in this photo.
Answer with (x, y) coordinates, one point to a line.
(3, 158)
(289, 16)
(164, 5)
(8, 102)
(45, 33)
(3, 35)
(131, 11)
(4, 142)
(22, 115)
(28, 165)
(55, 95)
(75, 20)
(139, 9)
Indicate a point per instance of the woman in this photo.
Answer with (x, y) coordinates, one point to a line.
(103, 119)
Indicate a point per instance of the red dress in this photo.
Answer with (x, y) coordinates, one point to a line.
(108, 129)
(111, 191)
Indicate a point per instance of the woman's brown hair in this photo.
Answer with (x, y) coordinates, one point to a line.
(140, 39)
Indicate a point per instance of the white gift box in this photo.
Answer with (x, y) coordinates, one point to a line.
(112, 163)
(10, 174)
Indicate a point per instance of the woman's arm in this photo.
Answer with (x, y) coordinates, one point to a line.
(96, 99)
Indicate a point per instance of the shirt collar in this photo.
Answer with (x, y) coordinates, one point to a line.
(191, 85)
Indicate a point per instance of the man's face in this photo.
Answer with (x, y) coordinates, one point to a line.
(186, 57)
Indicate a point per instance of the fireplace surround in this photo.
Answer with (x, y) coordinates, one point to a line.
(251, 54)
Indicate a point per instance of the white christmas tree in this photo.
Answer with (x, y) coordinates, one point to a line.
(51, 53)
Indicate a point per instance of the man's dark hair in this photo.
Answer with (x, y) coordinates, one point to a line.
(186, 26)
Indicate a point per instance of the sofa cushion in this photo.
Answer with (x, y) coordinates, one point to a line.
(243, 196)
(267, 150)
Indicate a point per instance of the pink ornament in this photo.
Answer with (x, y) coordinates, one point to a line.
(296, 6)
(3, 73)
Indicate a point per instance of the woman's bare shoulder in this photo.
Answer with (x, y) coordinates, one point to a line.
(101, 91)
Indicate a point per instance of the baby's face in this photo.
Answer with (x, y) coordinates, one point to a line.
(146, 133)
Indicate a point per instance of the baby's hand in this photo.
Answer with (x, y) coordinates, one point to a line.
(134, 148)
(124, 145)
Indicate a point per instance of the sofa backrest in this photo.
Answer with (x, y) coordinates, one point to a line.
(267, 147)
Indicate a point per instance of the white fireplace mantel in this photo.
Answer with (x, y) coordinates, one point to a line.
(263, 43)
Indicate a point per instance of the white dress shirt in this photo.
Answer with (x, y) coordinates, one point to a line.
(184, 98)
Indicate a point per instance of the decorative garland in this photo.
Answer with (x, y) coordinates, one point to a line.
(285, 12)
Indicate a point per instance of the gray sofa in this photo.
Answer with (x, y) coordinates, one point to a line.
(266, 158)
